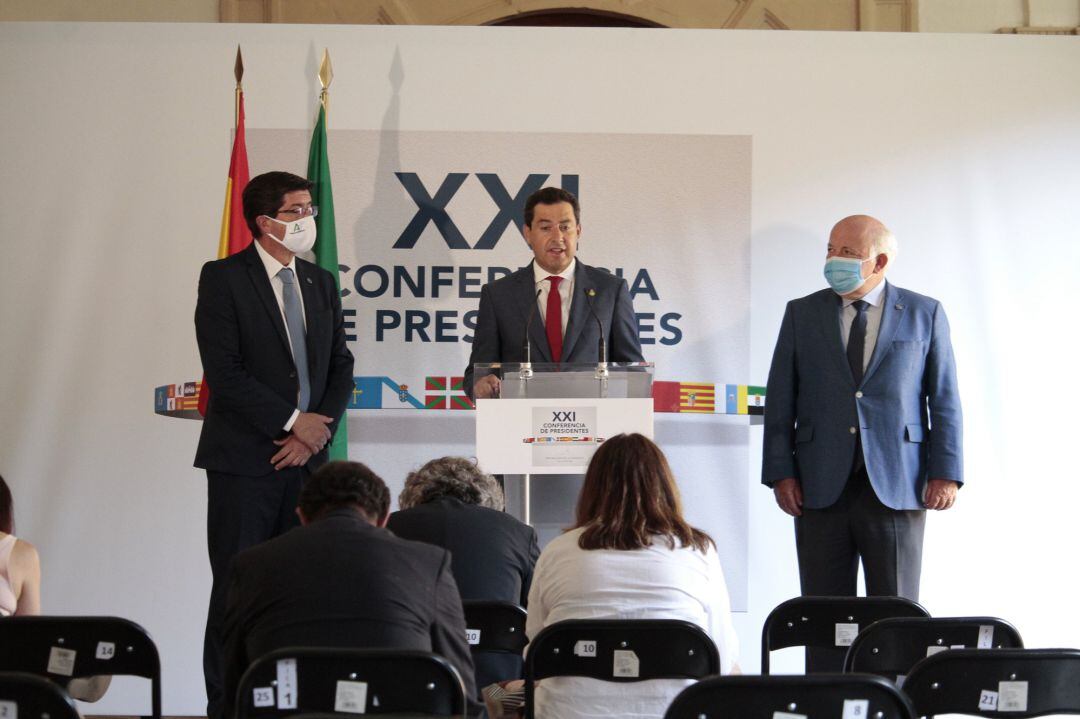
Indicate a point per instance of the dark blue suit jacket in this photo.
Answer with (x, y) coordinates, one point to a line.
(907, 406)
(249, 365)
(504, 310)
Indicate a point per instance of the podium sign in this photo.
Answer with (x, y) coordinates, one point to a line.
(553, 436)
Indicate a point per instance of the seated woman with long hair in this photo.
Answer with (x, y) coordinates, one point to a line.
(629, 555)
(20, 570)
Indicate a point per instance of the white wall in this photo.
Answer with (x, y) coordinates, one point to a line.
(116, 143)
(992, 15)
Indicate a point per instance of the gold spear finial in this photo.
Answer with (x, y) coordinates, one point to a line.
(326, 76)
(238, 69)
(238, 73)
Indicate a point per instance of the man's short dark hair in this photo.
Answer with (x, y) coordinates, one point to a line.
(265, 193)
(550, 196)
(344, 484)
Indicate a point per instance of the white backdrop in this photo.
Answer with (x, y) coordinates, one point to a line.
(413, 292)
(115, 150)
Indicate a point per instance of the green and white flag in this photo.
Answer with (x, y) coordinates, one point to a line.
(326, 256)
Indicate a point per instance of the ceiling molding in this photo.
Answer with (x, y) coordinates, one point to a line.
(773, 21)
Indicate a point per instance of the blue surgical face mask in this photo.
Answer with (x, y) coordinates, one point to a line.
(844, 274)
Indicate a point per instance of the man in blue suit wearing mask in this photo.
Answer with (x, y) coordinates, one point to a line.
(863, 428)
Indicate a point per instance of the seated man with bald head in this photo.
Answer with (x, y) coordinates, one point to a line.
(863, 429)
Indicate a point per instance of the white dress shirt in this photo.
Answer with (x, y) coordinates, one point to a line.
(566, 290)
(273, 267)
(650, 583)
(875, 299)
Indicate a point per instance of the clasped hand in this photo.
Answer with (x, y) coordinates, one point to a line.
(309, 435)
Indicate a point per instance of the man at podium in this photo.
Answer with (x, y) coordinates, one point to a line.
(563, 308)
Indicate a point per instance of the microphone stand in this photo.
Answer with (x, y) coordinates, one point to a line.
(526, 372)
(603, 373)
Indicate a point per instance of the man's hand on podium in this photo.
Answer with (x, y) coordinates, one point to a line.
(487, 387)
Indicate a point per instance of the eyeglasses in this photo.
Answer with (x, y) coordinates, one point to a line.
(847, 253)
(297, 212)
(564, 228)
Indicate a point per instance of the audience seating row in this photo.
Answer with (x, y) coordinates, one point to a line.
(895, 668)
(64, 648)
(979, 682)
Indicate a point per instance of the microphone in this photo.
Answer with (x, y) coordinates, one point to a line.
(526, 366)
(602, 365)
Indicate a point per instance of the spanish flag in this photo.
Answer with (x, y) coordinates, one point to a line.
(235, 234)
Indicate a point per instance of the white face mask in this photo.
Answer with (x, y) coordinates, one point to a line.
(299, 234)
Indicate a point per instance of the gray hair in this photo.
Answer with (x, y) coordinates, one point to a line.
(885, 244)
(455, 477)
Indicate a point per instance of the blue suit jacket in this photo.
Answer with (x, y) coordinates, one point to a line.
(907, 406)
(504, 312)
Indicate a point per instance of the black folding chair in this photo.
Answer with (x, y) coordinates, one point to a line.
(619, 650)
(63, 648)
(827, 622)
(815, 696)
(495, 626)
(317, 680)
(496, 635)
(29, 696)
(891, 647)
(995, 682)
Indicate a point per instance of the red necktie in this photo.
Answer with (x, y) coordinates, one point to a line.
(553, 319)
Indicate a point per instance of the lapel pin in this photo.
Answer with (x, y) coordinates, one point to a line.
(591, 293)
(309, 282)
(897, 305)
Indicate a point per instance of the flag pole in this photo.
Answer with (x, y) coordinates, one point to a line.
(322, 195)
(326, 76)
(238, 73)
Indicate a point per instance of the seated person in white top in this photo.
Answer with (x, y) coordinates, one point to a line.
(20, 569)
(630, 555)
(20, 588)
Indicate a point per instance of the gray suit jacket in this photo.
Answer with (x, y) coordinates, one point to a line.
(504, 311)
(907, 407)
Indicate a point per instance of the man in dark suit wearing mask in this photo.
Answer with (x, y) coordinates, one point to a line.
(272, 341)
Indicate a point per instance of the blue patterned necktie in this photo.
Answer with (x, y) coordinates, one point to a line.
(294, 318)
(856, 343)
